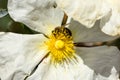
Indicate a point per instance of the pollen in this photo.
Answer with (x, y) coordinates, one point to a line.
(60, 46)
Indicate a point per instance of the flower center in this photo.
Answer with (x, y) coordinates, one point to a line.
(60, 45)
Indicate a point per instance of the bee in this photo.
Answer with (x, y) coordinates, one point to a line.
(67, 32)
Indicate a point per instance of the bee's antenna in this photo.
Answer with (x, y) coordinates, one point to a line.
(89, 44)
(65, 17)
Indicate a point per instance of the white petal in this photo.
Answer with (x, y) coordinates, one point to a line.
(110, 24)
(83, 34)
(114, 76)
(20, 54)
(84, 11)
(101, 59)
(47, 71)
(38, 15)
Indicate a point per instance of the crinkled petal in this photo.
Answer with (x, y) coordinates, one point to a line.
(114, 76)
(84, 11)
(20, 54)
(75, 71)
(101, 59)
(83, 34)
(39, 15)
(110, 24)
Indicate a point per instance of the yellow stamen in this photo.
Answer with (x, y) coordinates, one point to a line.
(60, 45)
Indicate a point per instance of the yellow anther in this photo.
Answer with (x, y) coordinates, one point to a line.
(59, 44)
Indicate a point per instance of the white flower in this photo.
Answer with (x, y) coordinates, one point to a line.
(52, 55)
(88, 12)
(114, 76)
